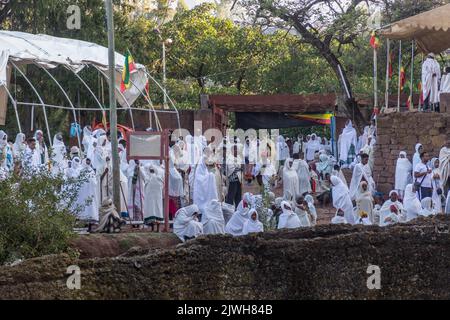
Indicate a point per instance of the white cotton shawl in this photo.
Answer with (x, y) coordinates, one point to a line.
(341, 199)
(288, 219)
(402, 172)
(411, 203)
(252, 226)
(347, 138)
(236, 224)
(212, 218)
(205, 188)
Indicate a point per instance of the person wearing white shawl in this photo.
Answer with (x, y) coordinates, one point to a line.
(58, 154)
(312, 147)
(362, 140)
(346, 140)
(431, 75)
(312, 209)
(73, 170)
(123, 158)
(19, 146)
(205, 188)
(6, 153)
(445, 81)
(427, 207)
(41, 147)
(338, 173)
(324, 165)
(266, 171)
(153, 200)
(236, 224)
(304, 144)
(176, 190)
(106, 185)
(88, 195)
(282, 149)
(361, 172)
(186, 225)
(303, 175)
(297, 146)
(386, 210)
(302, 210)
(99, 155)
(390, 216)
(136, 186)
(290, 181)
(368, 149)
(233, 171)
(288, 218)
(339, 218)
(252, 225)
(31, 161)
(87, 139)
(212, 219)
(411, 203)
(416, 157)
(364, 205)
(444, 165)
(403, 175)
(437, 185)
(341, 199)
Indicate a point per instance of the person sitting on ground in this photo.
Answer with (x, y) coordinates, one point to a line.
(288, 219)
(392, 201)
(339, 218)
(324, 197)
(110, 220)
(302, 212)
(312, 209)
(252, 225)
(186, 225)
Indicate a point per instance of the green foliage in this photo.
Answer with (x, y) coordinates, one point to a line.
(37, 215)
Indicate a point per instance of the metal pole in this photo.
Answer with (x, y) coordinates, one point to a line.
(40, 100)
(166, 179)
(411, 91)
(164, 73)
(375, 80)
(112, 103)
(388, 62)
(68, 99)
(399, 73)
(14, 102)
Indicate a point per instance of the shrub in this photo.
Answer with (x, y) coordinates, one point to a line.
(37, 215)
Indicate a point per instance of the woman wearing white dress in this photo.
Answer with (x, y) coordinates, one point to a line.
(288, 219)
(235, 225)
(212, 219)
(411, 203)
(186, 225)
(252, 225)
(153, 200)
(403, 175)
(341, 199)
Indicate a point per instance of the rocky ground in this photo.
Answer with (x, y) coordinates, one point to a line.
(324, 262)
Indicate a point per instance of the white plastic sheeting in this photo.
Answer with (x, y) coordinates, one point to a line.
(50, 52)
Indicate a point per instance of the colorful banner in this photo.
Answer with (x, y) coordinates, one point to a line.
(318, 118)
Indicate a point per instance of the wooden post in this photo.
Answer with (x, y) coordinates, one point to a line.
(388, 59)
(165, 141)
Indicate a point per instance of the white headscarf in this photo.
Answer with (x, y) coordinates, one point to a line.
(252, 226)
(402, 172)
(205, 188)
(288, 218)
(236, 223)
(59, 149)
(427, 207)
(411, 203)
(310, 200)
(341, 199)
(416, 157)
(213, 219)
(184, 223)
(175, 181)
(347, 138)
(290, 180)
(19, 146)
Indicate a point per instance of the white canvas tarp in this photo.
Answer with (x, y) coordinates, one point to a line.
(430, 29)
(50, 52)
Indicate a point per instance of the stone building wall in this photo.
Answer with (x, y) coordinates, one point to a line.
(400, 132)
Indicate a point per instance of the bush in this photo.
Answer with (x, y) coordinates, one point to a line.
(37, 215)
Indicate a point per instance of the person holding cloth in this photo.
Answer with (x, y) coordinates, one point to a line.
(423, 179)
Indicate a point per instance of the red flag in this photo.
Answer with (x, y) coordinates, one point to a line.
(409, 102)
(402, 78)
(391, 70)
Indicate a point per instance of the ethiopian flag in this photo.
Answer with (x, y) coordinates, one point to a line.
(318, 118)
(374, 40)
(128, 68)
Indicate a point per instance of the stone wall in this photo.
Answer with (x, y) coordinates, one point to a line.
(400, 132)
(325, 262)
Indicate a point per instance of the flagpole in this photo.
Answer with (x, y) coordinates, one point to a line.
(113, 105)
(411, 105)
(399, 74)
(375, 79)
(388, 59)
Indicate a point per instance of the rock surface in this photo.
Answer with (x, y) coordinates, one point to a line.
(326, 262)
